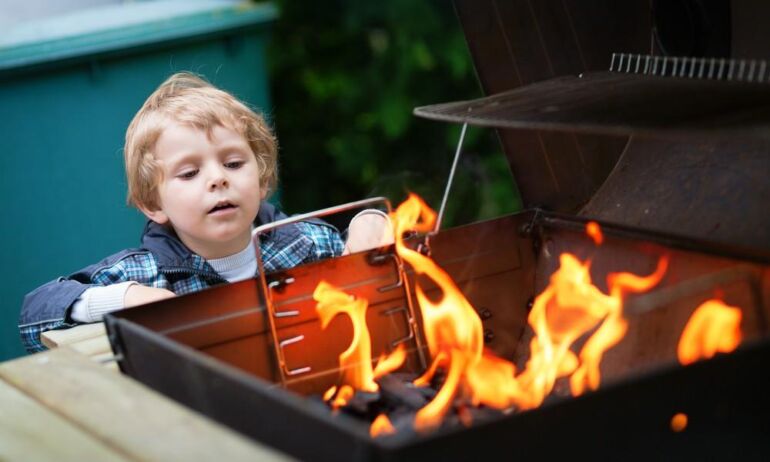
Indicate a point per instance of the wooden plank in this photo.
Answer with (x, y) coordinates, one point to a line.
(29, 431)
(89, 340)
(125, 414)
(93, 346)
(59, 337)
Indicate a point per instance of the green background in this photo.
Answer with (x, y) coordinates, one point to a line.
(345, 76)
(65, 102)
(338, 79)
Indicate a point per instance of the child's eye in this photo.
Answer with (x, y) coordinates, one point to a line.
(234, 164)
(188, 174)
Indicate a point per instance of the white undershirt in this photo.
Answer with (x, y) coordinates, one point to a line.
(96, 301)
(237, 267)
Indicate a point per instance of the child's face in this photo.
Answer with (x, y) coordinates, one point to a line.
(210, 190)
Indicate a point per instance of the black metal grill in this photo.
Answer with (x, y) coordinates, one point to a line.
(668, 164)
(169, 346)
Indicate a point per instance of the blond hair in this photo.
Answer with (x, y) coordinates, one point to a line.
(188, 99)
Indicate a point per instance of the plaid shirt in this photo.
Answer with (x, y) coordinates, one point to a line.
(164, 262)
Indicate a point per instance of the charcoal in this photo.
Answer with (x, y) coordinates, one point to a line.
(427, 392)
(405, 376)
(397, 393)
(363, 404)
(464, 414)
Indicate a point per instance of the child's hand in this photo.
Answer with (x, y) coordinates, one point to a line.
(369, 229)
(138, 294)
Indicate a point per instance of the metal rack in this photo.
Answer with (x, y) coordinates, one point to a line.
(268, 287)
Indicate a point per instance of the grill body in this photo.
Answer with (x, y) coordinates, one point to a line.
(212, 350)
(667, 165)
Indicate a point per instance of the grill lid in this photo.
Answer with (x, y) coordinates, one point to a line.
(621, 104)
(585, 141)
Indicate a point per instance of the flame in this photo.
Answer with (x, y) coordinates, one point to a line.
(570, 307)
(329, 394)
(713, 327)
(595, 232)
(389, 363)
(343, 396)
(356, 361)
(679, 422)
(381, 426)
(452, 328)
(614, 326)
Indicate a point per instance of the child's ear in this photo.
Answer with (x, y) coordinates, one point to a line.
(156, 215)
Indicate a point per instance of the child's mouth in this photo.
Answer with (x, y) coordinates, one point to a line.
(221, 207)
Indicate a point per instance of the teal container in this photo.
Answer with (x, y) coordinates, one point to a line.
(69, 86)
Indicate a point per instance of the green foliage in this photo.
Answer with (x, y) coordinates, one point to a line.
(346, 76)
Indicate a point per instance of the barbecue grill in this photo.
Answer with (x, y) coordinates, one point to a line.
(651, 118)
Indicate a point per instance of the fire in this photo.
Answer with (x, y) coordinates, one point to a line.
(381, 426)
(713, 327)
(356, 361)
(389, 363)
(594, 232)
(329, 394)
(452, 328)
(570, 307)
(679, 422)
(342, 397)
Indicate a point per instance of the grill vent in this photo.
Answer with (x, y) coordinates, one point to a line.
(740, 70)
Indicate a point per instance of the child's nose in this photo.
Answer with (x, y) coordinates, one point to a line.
(218, 180)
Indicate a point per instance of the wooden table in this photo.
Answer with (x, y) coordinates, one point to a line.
(88, 339)
(60, 405)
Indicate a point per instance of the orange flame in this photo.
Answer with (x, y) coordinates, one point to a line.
(329, 394)
(713, 327)
(389, 363)
(679, 422)
(570, 307)
(595, 232)
(452, 328)
(381, 426)
(356, 361)
(343, 396)
(614, 326)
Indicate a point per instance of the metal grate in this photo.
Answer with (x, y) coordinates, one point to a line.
(740, 70)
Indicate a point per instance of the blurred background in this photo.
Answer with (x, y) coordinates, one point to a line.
(337, 79)
(345, 76)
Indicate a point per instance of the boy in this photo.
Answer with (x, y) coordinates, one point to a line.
(199, 165)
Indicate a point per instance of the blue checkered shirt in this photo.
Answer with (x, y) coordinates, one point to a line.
(164, 262)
